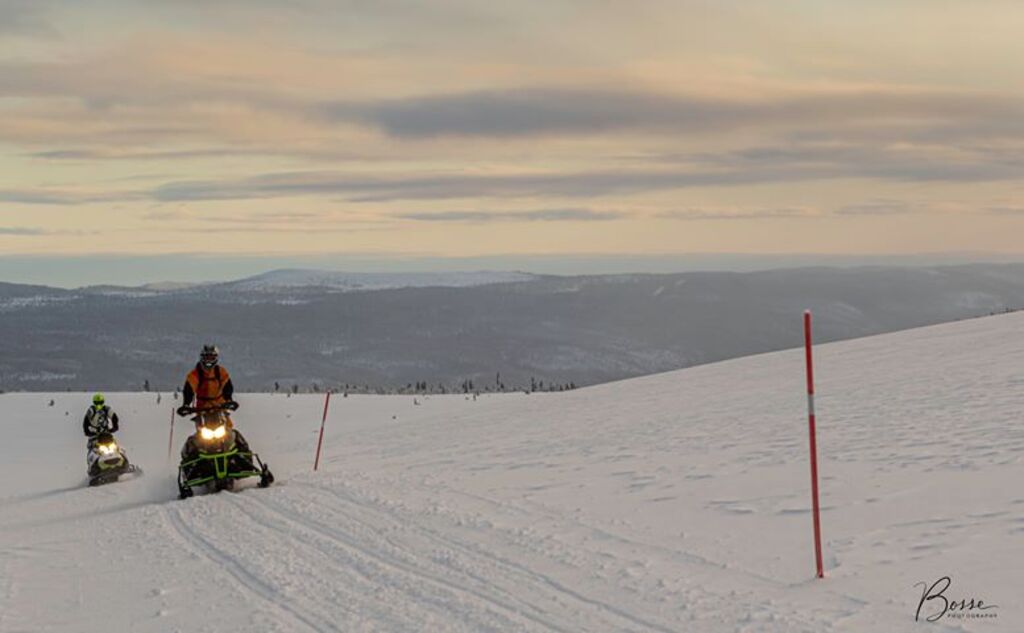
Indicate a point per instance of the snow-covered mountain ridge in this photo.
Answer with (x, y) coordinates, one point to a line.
(558, 330)
(674, 502)
(342, 281)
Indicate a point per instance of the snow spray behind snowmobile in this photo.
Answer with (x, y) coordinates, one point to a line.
(107, 460)
(217, 455)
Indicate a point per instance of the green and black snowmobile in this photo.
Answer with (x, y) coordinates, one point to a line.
(217, 455)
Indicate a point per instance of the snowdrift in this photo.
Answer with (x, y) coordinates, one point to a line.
(675, 502)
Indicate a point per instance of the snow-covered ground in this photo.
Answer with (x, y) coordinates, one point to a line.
(675, 502)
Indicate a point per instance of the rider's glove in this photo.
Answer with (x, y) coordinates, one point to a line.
(231, 405)
(183, 410)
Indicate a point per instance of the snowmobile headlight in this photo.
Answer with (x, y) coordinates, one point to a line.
(213, 434)
(107, 449)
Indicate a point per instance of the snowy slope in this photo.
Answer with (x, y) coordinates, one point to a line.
(676, 502)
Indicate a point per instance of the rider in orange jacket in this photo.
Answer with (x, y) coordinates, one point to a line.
(208, 383)
(209, 386)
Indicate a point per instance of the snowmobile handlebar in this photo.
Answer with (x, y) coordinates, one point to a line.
(187, 410)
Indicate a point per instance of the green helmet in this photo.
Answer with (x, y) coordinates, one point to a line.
(98, 400)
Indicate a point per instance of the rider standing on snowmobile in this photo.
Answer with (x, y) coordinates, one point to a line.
(99, 418)
(208, 383)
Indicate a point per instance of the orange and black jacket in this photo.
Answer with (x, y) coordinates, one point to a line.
(208, 387)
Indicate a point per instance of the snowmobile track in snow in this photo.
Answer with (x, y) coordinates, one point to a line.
(515, 577)
(260, 589)
(499, 573)
(279, 518)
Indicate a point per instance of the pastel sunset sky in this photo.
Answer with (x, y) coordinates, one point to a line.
(464, 128)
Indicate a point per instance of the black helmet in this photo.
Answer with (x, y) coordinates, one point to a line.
(208, 357)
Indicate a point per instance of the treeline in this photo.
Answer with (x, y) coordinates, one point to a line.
(421, 387)
(425, 387)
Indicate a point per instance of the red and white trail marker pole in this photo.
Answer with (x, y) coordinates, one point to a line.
(170, 438)
(320, 442)
(814, 444)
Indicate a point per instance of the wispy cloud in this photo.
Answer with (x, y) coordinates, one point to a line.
(93, 154)
(297, 222)
(795, 161)
(880, 207)
(536, 111)
(362, 188)
(592, 183)
(312, 229)
(262, 217)
(63, 197)
(770, 213)
(21, 231)
(544, 111)
(538, 215)
(1006, 210)
(28, 231)
(24, 17)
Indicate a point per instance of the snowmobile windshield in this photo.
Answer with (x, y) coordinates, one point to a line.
(212, 418)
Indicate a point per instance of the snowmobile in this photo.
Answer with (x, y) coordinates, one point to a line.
(107, 460)
(219, 455)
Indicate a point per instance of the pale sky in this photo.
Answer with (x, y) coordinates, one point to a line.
(468, 129)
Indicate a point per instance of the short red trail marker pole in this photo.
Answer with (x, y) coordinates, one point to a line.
(320, 442)
(170, 438)
(814, 444)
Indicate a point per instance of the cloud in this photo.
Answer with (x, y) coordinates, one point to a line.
(796, 161)
(153, 77)
(263, 217)
(880, 207)
(42, 196)
(544, 111)
(310, 222)
(21, 231)
(1006, 210)
(115, 154)
(246, 227)
(235, 100)
(363, 188)
(531, 112)
(27, 196)
(540, 215)
(189, 88)
(740, 214)
(62, 198)
(763, 165)
(24, 17)
(25, 231)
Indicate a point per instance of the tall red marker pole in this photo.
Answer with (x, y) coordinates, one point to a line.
(814, 444)
(170, 439)
(320, 442)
